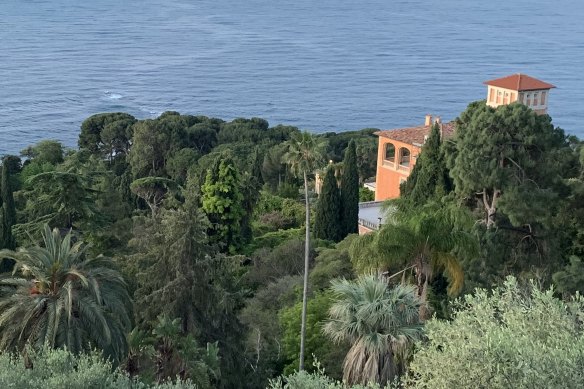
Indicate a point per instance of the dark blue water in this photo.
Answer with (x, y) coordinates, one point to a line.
(320, 65)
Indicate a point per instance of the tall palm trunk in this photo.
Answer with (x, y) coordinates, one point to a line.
(422, 269)
(306, 263)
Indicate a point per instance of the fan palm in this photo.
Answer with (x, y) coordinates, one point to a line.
(305, 154)
(58, 296)
(380, 322)
(427, 240)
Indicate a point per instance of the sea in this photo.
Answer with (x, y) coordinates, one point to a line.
(320, 65)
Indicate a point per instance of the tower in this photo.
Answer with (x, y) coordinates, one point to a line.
(519, 87)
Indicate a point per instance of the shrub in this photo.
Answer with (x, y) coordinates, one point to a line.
(513, 338)
(56, 369)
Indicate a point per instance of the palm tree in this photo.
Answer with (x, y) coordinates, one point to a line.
(305, 154)
(426, 241)
(59, 296)
(380, 322)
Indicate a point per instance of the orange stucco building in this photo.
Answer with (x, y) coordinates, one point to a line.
(398, 149)
(397, 153)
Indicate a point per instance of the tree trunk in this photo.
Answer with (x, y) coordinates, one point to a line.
(306, 263)
(491, 207)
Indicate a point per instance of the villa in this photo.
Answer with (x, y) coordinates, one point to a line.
(398, 149)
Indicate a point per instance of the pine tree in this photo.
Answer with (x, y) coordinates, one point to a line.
(222, 201)
(182, 276)
(328, 212)
(350, 191)
(429, 178)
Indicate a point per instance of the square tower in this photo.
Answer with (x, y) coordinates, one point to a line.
(519, 87)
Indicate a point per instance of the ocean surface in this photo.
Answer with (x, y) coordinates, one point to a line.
(320, 65)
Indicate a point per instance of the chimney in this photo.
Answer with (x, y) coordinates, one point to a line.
(428, 121)
(438, 120)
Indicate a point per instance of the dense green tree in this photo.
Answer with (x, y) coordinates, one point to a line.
(318, 346)
(107, 134)
(513, 337)
(150, 146)
(222, 201)
(330, 263)
(255, 169)
(570, 222)
(511, 160)
(513, 169)
(180, 275)
(251, 191)
(203, 136)
(255, 130)
(327, 222)
(429, 178)
(64, 199)
(263, 343)
(366, 157)
(10, 166)
(304, 155)
(58, 296)
(171, 247)
(350, 191)
(425, 242)
(152, 190)
(274, 169)
(180, 163)
(243, 129)
(268, 264)
(45, 151)
(380, 322)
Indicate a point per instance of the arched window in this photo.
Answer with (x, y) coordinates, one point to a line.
(389, 152)
(404, 156)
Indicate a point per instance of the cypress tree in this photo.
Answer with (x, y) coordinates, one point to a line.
(256, 168)
(328, 212)
(350, 191)
(10, 165)
(429, 178)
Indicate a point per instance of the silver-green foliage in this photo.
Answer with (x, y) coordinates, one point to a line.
(316, 380)
(59, 369)
(511, 338)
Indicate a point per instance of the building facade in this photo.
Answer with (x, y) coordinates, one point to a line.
(397, 153)
(519, 87)
(398, 149)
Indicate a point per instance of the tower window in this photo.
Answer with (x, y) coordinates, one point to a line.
(542, 101)
(512, 99)
(535, 99)
(498, 97)
(404, 156)
(492, 95)
(528, 102)
(389, 152)
(506, 98)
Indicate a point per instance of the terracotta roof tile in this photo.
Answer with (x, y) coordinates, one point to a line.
(415, 135)
(519, 82)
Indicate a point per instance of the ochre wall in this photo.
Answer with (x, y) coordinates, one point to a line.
(514, 95)
(388, 176)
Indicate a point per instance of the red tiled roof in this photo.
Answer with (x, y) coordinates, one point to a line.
(519, 82)
(415, 135)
